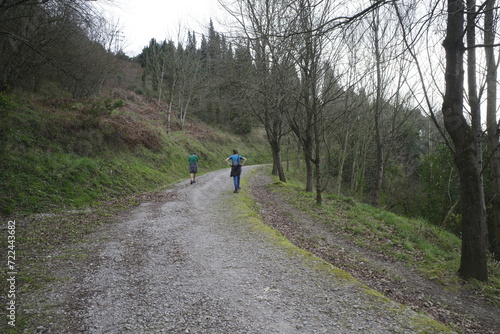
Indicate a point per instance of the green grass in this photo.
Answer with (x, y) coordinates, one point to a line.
(431, 250)
(78, 153)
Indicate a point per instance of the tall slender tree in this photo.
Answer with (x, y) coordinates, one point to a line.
(467, 154)
(493, 133)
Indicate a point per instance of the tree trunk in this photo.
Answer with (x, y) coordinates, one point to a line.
(492, 125)
(475, 109)
(274, 171)
(288, 154)
(317, 158)
(169, 117)
(473, 262)
(277, 162)
(467, 157)
(377, 116)
(447, 218)
(342, 159)
(309, 175)
(379, 170)
(305, 140)
(309, 166)
(299, 154)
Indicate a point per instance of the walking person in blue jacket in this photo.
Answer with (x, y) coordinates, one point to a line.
(236, 161)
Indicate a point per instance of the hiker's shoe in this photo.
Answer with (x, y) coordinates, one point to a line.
(191, 181)
(236, 191)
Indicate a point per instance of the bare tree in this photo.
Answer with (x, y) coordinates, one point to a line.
(467, 153)
(189, 82)
(493, 133)
(306, 120)
(261, 23)
(155, 58)
(173, 75)
(379, 140)
(462, 131)
(39, 38)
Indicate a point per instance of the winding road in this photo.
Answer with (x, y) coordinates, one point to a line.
(199, 260)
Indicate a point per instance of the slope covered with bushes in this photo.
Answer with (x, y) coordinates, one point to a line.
(61, 153)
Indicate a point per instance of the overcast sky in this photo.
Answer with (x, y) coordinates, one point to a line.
(141, 20)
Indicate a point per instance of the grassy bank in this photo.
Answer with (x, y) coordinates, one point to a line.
(432, 251)
(71, 155)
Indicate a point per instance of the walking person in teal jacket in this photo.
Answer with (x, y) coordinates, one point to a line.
(236, 161)
(193, 167)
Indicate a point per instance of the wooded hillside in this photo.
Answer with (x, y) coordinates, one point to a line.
(349, 98)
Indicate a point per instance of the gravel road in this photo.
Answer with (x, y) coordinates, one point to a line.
(198, 260)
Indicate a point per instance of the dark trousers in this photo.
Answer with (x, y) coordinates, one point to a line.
(236, 180)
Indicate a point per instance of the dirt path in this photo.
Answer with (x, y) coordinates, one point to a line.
(190, 262)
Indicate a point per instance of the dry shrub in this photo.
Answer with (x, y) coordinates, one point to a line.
(203, 133)
(131, 132)
(85, 126)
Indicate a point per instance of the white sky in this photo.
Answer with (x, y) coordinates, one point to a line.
(140, 20)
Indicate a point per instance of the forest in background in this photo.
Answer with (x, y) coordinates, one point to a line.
(351, 96)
